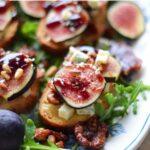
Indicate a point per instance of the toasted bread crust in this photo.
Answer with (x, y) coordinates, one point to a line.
(9, 33)
(49, 114)
(23, 104)
(91, 34)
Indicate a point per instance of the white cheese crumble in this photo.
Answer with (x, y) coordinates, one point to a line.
(102, 57)
(65, 112)
(90, 110)
(77, 56)
(66, 13)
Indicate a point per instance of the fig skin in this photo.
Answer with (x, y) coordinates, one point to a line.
(49, 114)
(126, 19)
(36, 10)
(12, 130)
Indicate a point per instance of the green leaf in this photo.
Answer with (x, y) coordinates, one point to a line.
(110, 98)
(29, 29)
(108, 112)
(136, 92)
(135, 108)
(99, 109)
(36, 146)
(120, 100)
(75, 146)
(30, 130)
(52, 145)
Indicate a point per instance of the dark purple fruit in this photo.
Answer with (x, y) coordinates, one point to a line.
(11, 130)
(79, 85)
(127, 19)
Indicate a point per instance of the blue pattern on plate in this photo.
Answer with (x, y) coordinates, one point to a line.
(116, 129)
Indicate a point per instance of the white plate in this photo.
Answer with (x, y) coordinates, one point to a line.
(131, 130)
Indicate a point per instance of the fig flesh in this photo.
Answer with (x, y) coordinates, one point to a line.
(111, 70)
(33, 8)
(67, 22)
(17, 75)
(127, 19)
(79, 85)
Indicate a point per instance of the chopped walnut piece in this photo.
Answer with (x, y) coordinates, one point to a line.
(52, 138)
(41, 134)
(91, 134)
(60, 144)
(53, 96)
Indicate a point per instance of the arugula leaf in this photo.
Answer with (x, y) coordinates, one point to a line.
(29, 29)
(30, 143)
(75, 147)
(30, 130)
(50, 143)
(120, 101)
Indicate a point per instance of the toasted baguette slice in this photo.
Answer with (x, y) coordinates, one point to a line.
(23, 103)
(94, 30)
(49, 114)
(8, 34)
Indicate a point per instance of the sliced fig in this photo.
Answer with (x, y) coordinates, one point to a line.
(66, 23)
(17, 73)
(33, 8)
(111, 70)
(127, 19)
(79, 85)
(5, 18)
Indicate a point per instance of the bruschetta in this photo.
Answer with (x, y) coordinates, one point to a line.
(19, 83)
(69, 23)
(70, 95)
(8, 23)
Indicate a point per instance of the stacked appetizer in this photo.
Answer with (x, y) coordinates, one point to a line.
(70, 96)
(18, 82)
(71, 23)
(8, 22)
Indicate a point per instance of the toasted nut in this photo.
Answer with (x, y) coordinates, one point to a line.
(52, 138)
(51, 71)
(19, 73)
(41, 134)
(5, 75)
(6, 68)
(60, 144)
